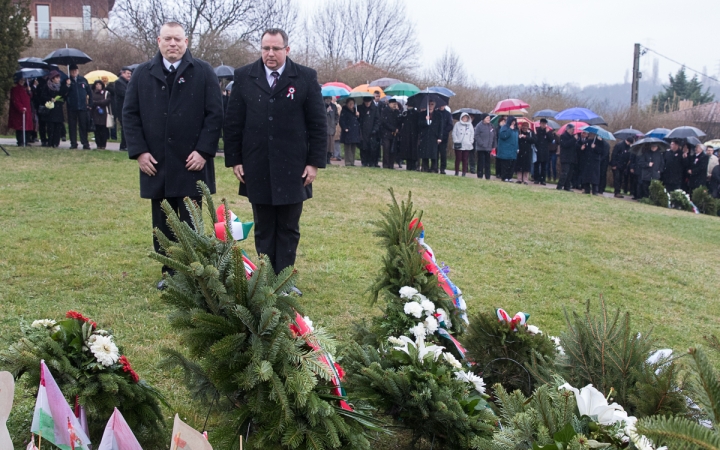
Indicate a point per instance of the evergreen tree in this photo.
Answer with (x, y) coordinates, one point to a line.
(267, 381)
(680, 88)
(14, 38)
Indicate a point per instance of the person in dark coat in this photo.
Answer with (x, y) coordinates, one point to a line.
(674, 163)
(172, 117)
(619, 163)
(580, 164)
(604, 161)
(389, 126)
(593, 151)
(543, 139)
(409, 135)
(714, 182)
(79, 104)
(54, 94)
(447, 128)
(119, 100)
(553, 150)
(568, 157)
(101, 103)
(651, 164)
(633, 176)
(332, 117)
(507, 148)
(697, 169)
(485, 142)
(350, 135)
(526, 140)
(369, 128)
(430, 136)
(20, 115)
(275, 141)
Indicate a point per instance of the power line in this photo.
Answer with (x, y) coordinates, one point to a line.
(681, 64)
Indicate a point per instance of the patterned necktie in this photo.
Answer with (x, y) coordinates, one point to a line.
(172, 69)
(275, 76)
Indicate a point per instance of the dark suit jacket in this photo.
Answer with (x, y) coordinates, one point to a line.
(275, 134)
(171, 127)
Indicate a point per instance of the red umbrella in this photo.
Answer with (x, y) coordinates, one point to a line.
(522, 120)
(338, 84)
(510, 104)
(578, 125)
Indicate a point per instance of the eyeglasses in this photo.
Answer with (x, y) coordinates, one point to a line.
(274, 49)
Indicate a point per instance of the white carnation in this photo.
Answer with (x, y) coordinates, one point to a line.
(428, 306)
(413, 309)
(419, 331)
(43, 323)
(104, 350)
(407, 292)
(470, 377)
(450, 359)
(532, 329)
(431, 324)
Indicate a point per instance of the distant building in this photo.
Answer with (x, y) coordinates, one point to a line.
(64, 19)
(360, 73)
(705, 116)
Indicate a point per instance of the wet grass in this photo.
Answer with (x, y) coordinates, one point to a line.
(75, 235)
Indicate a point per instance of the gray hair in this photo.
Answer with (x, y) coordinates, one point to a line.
(275, 32)
(171, 24)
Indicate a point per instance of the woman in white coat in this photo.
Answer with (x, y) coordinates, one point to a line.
(463, 138)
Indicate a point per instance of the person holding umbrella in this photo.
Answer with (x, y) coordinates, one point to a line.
(651, 164)
(20, 117)
(526, 141)
(79, 102)
(507, 148)
(431, 131)
(485, 141)
(101, 102)
(568, 157)
(408, 137)
(619, 163)
(350, 135)
(590, 177)
(389, 126)
(52, 97)
(369, 127)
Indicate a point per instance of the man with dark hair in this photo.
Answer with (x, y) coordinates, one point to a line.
(79, 102)
(447, 127)
(119, 100)
(673, 174)
(543, 139)
(568, 157)
(275, 141)
(619, 163)
(369, 128)
(389, 127)
(172, 118)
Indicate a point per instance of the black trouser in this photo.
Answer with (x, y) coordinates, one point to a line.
(497, 167)
(387, 157)
(483, 163)
(411, 164)
(539, 171)
(631, 184)
(277, 233)
(123, 144)
(506, 168)
(618, 176)
(590, 187)
(472, 160)
(429, 165)
(442, 155)
(42, 130)
(567, 170)
(19, 137)
(643, 189)
(374, 151)
(75, 119)
(603, 177)
(54, 131)
(101, 135)
(159, 220)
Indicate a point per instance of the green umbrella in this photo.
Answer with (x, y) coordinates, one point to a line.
(402, 89)
(357, 94)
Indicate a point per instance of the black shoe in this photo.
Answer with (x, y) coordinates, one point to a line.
(86, 147)
(568, 189)
(162, 285)
(63, 139)
(619, 196)
(73, 147)
(542, 183)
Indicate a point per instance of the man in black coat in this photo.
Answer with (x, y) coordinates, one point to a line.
(697, 169)
(447, 127)
(568, 157)
(172, 118)
(275, 141)
(543, 140)
(619, 163)
(79, 102)
(389, 126)
(673, 174)
(369, 128)
(119, 100)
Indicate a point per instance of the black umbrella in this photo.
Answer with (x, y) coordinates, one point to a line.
(547, 113)
(651, 140)
(229, 86)
(67, 56)
(33, 63)
(628, 132)
(693, 141)
(224, 71)
(31, 73)
(422, 98)
(552, 124)
(132, 67)
(472, 111)
(596, 121)
(684, 133)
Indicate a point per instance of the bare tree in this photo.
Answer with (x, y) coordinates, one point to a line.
(448, 70)
(330, 35)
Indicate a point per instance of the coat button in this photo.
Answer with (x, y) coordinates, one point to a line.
(270, 138)
(270, 118)
(163, 88)
(169, 139)
(272, 100)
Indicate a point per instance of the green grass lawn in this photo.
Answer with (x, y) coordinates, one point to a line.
(75, 235)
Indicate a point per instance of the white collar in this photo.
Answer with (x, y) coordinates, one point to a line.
(167, 64)
(268, 71)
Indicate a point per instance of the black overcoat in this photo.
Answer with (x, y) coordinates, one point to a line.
(544, 138)
(170, 127)
(593, 160)
(409, 134)
(274, 134)
(56, 114)
(568, 151)
(429, 134)
(674, 168)
(349, 122)
(698, 171)
(369, 121)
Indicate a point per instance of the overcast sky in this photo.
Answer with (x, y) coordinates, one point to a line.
(566, 41)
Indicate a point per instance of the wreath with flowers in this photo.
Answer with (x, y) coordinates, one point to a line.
(91, 371)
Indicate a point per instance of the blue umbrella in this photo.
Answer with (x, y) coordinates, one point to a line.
(334, 91)
(546, 113)
(608, 136)
(576, 114)
(30, 73)
(658, 133)
(442, 91)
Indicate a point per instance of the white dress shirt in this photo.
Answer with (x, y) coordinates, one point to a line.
(167, 64)
(268, 73)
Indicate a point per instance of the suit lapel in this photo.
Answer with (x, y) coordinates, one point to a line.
(156, 68)
(286, 78)
(258, 73)
(187, 60)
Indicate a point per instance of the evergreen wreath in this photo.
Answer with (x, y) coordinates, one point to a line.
(91, 371)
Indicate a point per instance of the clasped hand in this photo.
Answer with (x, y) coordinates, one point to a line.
(194, 163)
(309, 173)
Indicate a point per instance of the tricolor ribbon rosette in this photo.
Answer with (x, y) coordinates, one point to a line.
(238, 230)
(291, 93)
(518, 319)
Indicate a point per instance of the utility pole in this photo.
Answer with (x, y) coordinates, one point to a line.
(636, 75)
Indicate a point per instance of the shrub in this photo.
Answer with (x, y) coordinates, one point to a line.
(704, 201)
(679, 200)
(658, 194)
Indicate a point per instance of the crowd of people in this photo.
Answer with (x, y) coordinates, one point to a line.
(40, 107)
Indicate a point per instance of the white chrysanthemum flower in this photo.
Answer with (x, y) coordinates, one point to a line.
(420, 298)
(104, 350)
(428, 306)
(419, 331)
(558, 347)
(532, 329)
(395, 341)
(431, 324)
(450, 359)
(43, 323)
(413, 309)
(470, 377)
(407, 292)
(309, 323)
